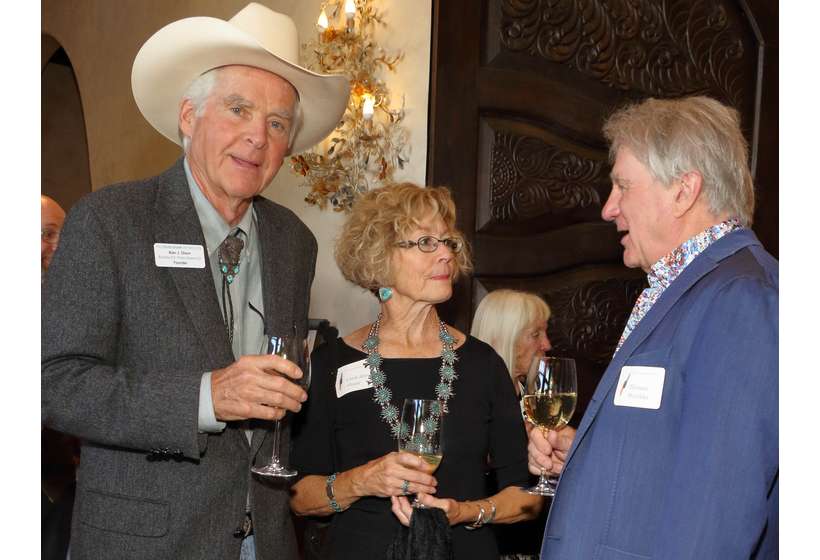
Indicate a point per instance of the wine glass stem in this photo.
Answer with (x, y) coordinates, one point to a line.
(543, 480)
(276, 435)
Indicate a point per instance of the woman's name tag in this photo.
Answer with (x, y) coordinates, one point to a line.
(352, 377)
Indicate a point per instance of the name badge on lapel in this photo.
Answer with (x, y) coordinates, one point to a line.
(640, 387)
(352, 377)
(177, 255)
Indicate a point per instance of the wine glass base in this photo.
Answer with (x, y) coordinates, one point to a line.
(540, 490)
(275, 471)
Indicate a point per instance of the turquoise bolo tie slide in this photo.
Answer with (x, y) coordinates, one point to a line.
(229, 252)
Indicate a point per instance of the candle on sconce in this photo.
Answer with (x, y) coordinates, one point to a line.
(376, 146)
(350, 14)
(368, 104)
(322, 23)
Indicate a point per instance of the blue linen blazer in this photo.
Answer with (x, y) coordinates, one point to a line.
(698, 477)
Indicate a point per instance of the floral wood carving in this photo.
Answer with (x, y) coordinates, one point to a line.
(658, 47)
(588, 320)
(530, 178)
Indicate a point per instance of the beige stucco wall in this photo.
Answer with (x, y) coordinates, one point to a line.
(101, 37)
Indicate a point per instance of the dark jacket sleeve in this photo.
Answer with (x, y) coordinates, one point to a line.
(508, 438)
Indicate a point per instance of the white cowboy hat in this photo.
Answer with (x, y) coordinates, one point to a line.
(257, 36)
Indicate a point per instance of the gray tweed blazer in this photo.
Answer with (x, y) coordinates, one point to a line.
(124, 345)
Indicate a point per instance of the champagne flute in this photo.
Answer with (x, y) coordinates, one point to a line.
(549, 402)
(295, 349)
(421, 433)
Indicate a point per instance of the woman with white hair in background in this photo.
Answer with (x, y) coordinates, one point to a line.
(514, 323)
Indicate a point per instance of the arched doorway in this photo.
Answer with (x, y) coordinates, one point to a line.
(64, 164)
(65, 177)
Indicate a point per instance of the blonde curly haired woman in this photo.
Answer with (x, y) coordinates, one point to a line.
(401, 243)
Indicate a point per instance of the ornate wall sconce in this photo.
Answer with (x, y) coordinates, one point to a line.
(369, 143)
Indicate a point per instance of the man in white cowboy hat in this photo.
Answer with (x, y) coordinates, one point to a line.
(162, 291)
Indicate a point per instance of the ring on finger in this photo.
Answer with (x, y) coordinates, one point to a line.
(405, 487)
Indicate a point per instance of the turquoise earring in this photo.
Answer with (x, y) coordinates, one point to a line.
(385, 294)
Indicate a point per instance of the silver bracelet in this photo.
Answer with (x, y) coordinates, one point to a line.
(492, 511)
(479, 520)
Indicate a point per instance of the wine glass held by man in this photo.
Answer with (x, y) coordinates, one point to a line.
(401, 243)
(514, 323)
(294, 348)
(551, 392)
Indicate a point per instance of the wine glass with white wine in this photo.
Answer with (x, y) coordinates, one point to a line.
(421, 433)
(295, 349)
(549, 402)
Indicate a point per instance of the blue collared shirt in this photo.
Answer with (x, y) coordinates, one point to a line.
(246, 289)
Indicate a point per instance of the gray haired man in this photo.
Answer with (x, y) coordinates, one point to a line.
(676, 456)
(163, 289)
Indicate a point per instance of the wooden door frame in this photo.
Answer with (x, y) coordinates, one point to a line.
(452, 81)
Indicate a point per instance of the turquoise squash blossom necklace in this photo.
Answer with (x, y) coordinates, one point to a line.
(382, 393)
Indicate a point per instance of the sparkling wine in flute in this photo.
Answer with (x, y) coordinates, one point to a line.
(550, 411)
(421, 433)
(431, 459)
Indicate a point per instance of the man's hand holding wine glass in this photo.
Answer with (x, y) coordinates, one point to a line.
(251, 387)
(548, 452)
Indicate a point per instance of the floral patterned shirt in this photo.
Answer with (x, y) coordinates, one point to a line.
(669, 267)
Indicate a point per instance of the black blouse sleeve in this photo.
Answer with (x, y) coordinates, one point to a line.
(508, 438)
(313, 448)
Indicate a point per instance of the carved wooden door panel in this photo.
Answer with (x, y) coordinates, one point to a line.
(520, 90)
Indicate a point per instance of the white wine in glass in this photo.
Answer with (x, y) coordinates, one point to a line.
(295, 349)
(421, 433)
(549, 402)
(550, 411)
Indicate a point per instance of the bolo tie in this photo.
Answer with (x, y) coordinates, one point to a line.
(229, 252)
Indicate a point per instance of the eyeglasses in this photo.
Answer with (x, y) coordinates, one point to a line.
(50, 236)
(428, 244)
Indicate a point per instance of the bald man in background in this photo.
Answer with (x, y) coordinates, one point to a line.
(59, 452)
(52, 217)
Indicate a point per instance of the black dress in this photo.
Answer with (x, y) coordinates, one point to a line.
(484, 423)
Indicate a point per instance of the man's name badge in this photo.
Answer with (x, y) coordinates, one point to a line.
(352, 377)
(640, 387)
(176, 255)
